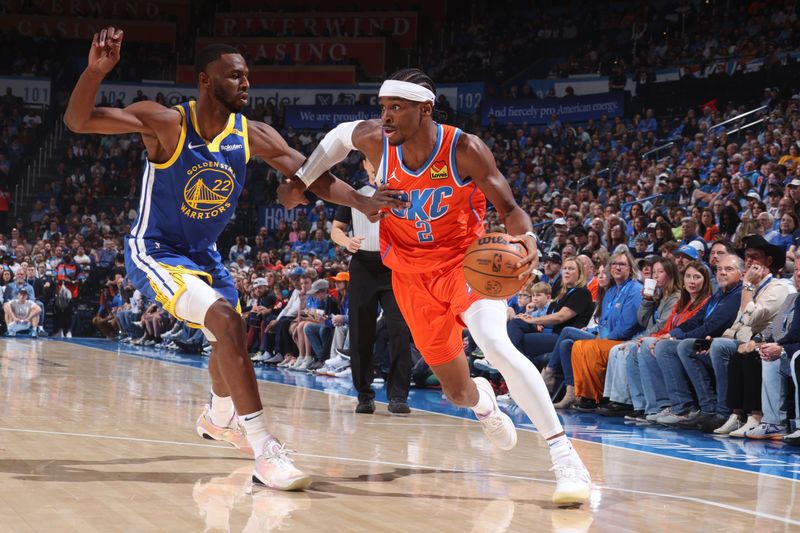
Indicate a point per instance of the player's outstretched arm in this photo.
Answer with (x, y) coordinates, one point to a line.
(266, 143)
(474, 159)
(81, 115)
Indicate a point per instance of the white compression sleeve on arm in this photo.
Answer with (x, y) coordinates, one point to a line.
(332, 149)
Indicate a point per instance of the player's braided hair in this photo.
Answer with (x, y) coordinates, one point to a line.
(415, 75)
(211, 53)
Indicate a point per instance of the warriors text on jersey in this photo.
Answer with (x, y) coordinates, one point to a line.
(185, 204)
(187, 201)
(446, 213)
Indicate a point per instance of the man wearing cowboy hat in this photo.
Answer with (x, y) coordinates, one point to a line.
(762, 297)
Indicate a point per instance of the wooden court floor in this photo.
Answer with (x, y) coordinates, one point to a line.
(91, 440)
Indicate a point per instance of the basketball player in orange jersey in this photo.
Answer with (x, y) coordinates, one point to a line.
(195, 170)
(447, 176)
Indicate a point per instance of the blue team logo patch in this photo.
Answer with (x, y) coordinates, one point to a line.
(208, 190)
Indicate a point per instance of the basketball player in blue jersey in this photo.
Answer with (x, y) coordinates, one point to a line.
(197, 152)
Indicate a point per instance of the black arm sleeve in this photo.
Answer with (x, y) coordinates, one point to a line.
(343, 214)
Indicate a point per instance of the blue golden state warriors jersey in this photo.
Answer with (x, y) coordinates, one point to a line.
(187, 201)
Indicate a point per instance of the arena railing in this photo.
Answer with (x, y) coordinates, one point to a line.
(657, 150)
(38, 163)
(739, 117)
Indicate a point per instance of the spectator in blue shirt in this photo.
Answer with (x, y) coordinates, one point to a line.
(617, 320)
(648, 123)
(19, 283)
(319, 245)
(674, 353)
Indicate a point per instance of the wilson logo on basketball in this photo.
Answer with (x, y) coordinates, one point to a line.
(439, 170)
(491, 239)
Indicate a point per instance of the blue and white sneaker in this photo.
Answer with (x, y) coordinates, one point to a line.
(766, 431)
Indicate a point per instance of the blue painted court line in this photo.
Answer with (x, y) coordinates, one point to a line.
(760, 457)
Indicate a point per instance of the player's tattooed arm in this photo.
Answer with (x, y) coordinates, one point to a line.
(475, 160)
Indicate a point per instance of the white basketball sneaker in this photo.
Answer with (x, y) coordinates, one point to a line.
(496, 425)
(276, 470)
(573, 482)
(234, 435)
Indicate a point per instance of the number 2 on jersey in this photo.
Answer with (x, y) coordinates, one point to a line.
(424, 235)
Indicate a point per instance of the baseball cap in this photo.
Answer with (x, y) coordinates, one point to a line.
(319, 286)
(688, 251)
(341, 276)
(560, 222)
(260, 282)
(297, 271)
(648, 260)
(794, 183)
(319, 203)
(754, 195)
(553, 257)
(699, 246)
(23, 289)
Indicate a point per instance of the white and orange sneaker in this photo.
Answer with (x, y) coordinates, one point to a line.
(496, 425)
(234, 436)
(276, 470)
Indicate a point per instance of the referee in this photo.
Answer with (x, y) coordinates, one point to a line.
(370, 284)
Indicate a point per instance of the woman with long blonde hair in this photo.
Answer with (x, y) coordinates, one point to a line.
(617, 321)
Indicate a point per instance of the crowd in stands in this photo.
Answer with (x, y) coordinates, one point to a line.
(20, 129)
(616, 39)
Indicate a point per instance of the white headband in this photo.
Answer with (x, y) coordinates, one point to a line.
(406, 90)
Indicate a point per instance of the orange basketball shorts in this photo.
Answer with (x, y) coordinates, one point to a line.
(431, 304)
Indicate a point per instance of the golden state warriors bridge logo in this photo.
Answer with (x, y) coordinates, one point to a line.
(208, 190)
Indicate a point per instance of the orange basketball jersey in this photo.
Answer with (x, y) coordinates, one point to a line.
(446, 212)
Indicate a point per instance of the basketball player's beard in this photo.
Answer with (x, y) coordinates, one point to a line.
(234, 105)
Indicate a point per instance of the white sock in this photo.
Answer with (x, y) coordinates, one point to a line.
(485, 405)
(560, 448)
(256, 428)
(486, 320)
(222, 411)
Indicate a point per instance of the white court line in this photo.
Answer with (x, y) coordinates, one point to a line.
(531, 430)
(112, 437)
(402, 424)
(692, 499)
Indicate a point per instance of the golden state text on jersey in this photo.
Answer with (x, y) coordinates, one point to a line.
(188, 200)
(446, 212)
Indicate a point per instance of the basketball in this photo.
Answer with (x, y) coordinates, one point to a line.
(490, 266)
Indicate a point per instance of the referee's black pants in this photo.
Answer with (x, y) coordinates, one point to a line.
(370, 284)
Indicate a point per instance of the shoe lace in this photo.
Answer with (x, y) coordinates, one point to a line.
(279, 455)
(492, 423)
(571, 472)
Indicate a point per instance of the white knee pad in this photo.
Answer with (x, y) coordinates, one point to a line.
(193, 304)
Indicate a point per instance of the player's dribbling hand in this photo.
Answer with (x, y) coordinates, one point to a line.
(532, 259)
(291, 193)
(104, 53)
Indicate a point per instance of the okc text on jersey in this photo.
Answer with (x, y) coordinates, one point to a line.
(426, 204)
